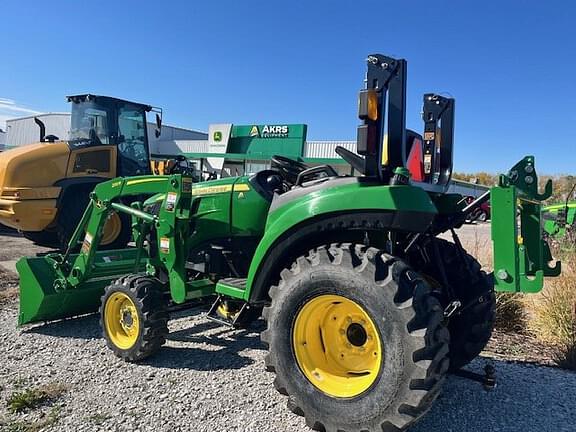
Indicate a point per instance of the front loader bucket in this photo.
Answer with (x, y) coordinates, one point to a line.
(40, 301)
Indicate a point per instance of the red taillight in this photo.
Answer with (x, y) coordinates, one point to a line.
(415, 163)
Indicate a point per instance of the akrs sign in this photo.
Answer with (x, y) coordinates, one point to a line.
(270, 131)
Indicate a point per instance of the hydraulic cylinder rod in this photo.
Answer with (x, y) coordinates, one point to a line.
(147, 217)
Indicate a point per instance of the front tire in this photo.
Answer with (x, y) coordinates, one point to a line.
(134, 317)
(356, 340)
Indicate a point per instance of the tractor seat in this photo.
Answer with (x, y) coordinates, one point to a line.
(315, 175)
(267, 183)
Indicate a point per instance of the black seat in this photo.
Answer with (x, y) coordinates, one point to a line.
(267, 182)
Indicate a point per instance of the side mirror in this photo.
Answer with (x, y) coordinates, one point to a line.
(158, 130)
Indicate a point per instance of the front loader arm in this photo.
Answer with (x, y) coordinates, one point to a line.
(63, 285)
(175, 208)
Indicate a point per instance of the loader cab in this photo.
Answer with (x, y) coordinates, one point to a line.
(109, 137)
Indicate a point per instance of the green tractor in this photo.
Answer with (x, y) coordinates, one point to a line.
(560, 220)
(366, 309)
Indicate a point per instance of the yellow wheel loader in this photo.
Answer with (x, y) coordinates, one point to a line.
(45, 187)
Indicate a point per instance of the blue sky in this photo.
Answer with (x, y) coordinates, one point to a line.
(511, 65)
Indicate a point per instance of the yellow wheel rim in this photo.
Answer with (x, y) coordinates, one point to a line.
(337, 346)
(121, 320)
(112, 229)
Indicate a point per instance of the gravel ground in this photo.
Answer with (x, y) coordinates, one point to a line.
(14, 246)
(210, 378)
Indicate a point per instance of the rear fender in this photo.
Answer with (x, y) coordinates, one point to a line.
(347, 205)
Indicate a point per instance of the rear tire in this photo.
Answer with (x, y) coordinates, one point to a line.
(69, 216)
(134, 317)
(470, 329)
(398, 309)
(42, 238)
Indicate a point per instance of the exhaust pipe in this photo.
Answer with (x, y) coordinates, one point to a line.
(43, 137)
(42, 128)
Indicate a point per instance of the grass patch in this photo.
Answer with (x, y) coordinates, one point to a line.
(33, 398)
(481, 249)
(510, 313)
(33, 426)
(553, 313)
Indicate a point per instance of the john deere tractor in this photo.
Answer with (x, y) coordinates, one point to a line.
(366, 309)
(560, 220)
(45, 187)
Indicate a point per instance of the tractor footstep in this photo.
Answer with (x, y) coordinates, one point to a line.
(232, 321)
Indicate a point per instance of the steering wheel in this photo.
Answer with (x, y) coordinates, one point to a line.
(289, 168)
(94, 138)
(181, 165)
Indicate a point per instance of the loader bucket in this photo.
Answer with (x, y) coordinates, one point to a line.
(40, 301)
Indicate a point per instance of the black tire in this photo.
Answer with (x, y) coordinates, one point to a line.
(415, 357)
(42, 238)
(482, 216)
(125, 235)
(70, 212)
(146, 294)
(69, 215)
(470, 329)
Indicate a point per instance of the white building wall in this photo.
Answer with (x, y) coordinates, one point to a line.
(171, 134)
(22, 131)
(326, 149)
(174, 147)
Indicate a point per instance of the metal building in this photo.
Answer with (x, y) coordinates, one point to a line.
(2, 139)
(326, 149)
(23, 131)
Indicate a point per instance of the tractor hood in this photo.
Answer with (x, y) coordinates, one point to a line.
(31, 166)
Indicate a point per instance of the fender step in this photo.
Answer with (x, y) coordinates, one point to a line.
(232, 287)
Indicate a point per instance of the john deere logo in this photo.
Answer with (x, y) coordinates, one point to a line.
(254, 131)
(217, 136)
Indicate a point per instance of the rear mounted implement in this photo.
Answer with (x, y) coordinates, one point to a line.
(522, 258)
